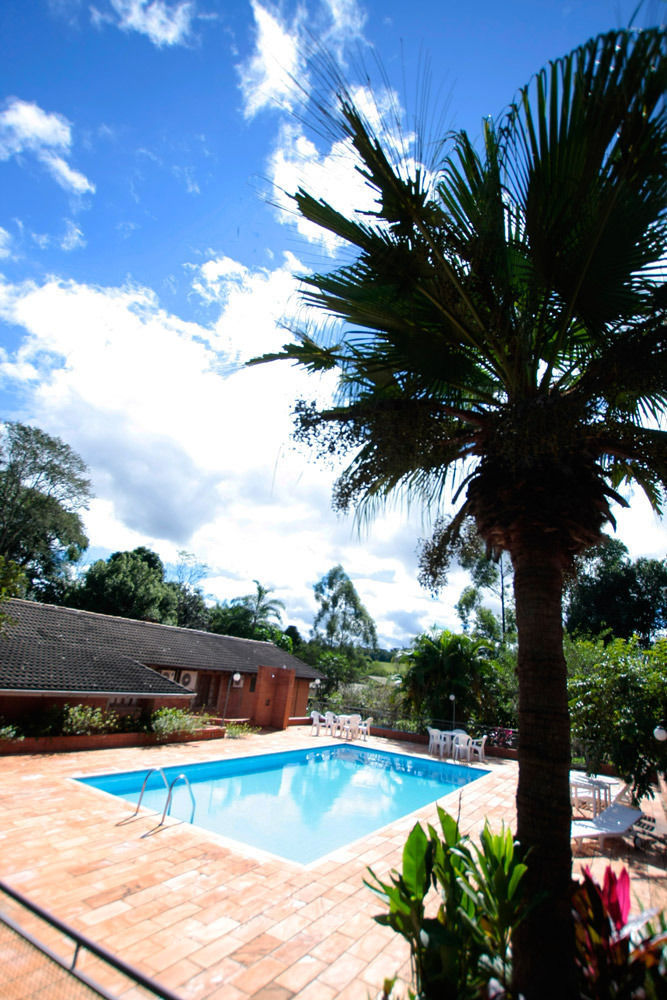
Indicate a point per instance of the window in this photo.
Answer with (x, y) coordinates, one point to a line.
(253, 683)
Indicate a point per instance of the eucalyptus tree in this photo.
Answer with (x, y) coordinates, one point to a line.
(503, 331)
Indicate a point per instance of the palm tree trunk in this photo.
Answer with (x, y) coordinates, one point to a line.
(544, 943)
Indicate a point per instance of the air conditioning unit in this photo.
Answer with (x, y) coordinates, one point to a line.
(169, 674)
(189, 681)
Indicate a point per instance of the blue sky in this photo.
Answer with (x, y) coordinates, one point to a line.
(146, 250)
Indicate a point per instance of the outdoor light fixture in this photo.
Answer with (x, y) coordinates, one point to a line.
(452, 698)
(232, 677)
(660, 733)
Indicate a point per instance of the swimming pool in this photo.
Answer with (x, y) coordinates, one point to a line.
(299, 804)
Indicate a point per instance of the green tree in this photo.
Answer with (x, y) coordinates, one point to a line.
(263, 609)
(494, 575)
(12, 584)
(613, 594)
(504, 325)
(191, 608)
(618, 695)
(441, 664)
(231, 619)
(43, 487)
(128, 584)
(342, 621)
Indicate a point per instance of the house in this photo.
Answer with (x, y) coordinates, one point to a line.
(54, 655)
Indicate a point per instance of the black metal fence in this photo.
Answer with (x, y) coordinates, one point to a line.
(55, 971)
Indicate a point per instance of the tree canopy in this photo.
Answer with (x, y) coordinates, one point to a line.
(503, 333)
(613, 594)
(43, 488)
(342, 620)
(128, 584)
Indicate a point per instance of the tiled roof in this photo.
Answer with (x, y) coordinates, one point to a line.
(35, 665)
(41, 637)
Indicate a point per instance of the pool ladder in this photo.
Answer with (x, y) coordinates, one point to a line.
(170, 792)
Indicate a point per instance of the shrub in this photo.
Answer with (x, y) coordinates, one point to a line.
(465, 946)
(81, 720)
(236, 730)
(165, 721)
(613, 959)
(9, 731)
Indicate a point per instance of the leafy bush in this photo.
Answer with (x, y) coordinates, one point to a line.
(9, 731)
(464, 950)
(82, 720)
(613, 960)
(236, 730)
(165, 721)
(618, 694)
(457, 953)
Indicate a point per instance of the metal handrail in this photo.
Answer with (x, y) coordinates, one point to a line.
(171, 792)
(153, 770)
(81, 941)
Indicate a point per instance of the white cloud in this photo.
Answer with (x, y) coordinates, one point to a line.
(73, 238)
(5, 244)
(296, 162)
(26, 128)
(268, 77)
(184, 456)
(162, 22)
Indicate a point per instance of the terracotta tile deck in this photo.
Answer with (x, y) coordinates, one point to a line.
(215, 923)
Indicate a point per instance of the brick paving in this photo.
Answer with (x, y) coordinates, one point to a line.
(220, 922)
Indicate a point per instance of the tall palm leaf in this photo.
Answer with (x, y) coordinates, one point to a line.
(503, 333)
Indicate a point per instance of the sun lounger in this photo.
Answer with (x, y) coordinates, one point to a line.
(648, 829)
(614, 821)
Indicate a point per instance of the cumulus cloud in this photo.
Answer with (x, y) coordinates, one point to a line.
(267, 77)
(184, 454)
(164, 23)
(26, 129)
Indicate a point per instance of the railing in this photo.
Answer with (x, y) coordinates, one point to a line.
(81, 944)
(502, 737)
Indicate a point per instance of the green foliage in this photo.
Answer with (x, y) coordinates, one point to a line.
(467, 942)
(612, 960)
(237, 730)
(12, 584)
(342, 621)
(617, 696)
(498, 331)
(165, 721)
(10, 731)
(613, 595)
(79, 720)
(441, 664)
(263, 610)
(128, 584)
(43, 486)
(494, 575)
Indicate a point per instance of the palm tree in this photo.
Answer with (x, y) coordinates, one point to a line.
(442, 664)
(504, 324)
(263, 609)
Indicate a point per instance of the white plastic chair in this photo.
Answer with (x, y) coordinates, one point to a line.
(365, 727)
(461, 749)
(477, 749)
(316, 721)
(433, 738)
(351, 727)
(329, 723)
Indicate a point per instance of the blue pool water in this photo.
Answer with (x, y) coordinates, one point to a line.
(301, 804)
